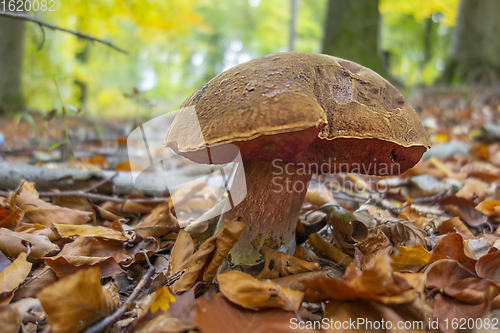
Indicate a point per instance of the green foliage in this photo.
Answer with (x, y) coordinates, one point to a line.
(406, 25)
(174, 47)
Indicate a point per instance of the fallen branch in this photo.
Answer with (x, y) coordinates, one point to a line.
(53, 27)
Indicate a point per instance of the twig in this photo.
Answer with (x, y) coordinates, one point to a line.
(53, 27)
(100, 183)
(119, 313)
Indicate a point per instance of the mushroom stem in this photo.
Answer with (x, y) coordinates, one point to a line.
(275, 193)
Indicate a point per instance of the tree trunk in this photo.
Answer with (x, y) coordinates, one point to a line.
(11, 61)
(352, 32)
(475, 45)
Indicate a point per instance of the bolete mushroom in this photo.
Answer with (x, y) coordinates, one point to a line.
(293, 114)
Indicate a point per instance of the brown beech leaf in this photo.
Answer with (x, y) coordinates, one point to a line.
(404, 233)
(40, 230)
(250, 293)
(159, 217)
(128, 208)
(472, 290)
(13, 243)
(10, 220)
(329, 250)
(410, 256)
(12, 276)
(473, 187)
(348, 311)
(452, 246)
(319, 196)
(488, 266)
(376, 281)
(29, 188)
(374, 242)
(205, 262)
(10, 318)
(450, 309)
(445, 272)
(41, 212)
(182, 252)
(278, 264)
(158, 224)
(150, 233)
(455, 225)
(76, 301)
(78, 203)
(68, 230)
(465, 209)
(215, 314)
(295, 281)
(86, 252)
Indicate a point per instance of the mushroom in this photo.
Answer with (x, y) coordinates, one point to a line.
(293, 114)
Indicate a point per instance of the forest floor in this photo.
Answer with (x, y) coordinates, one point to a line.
(81, 256)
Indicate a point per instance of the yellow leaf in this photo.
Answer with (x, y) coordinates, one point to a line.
(489, 207)
(162, 300)
(415, 255)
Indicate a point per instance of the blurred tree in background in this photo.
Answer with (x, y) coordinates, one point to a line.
(475, 48)
(352, 32)
(11, 59)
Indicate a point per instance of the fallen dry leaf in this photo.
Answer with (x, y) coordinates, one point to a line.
(10, 319)
(465, 209)
(295, 281)
(67, 231)
(12, 276)
(76, 301)
(376, 281)
(488, 266)
(41, 212)
(410, 256)
(10, 220)
(319, 196)
(455, 225)
(182, 252)
(329, 250)
(278, 264)
(13, 243)
(404, 233)
(452, 246)
(250, 293)
(489, 207)
(215, 314)
(86, 252)
(205, 262)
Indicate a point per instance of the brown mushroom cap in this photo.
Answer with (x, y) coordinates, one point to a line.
(305, 109)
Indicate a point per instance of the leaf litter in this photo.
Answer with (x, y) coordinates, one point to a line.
(426, 250)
